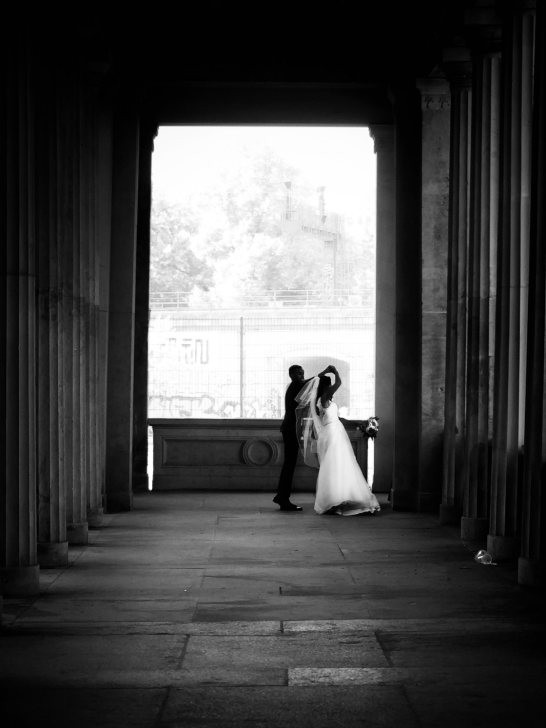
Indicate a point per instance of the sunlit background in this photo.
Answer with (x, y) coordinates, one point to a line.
(262, 255)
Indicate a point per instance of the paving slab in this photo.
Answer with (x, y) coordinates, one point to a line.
(431, 575)
(460, 626)
(252, 581)
(283, 553)
(82, 707)
(517, 648)
(29, 657)
(276, 707)
(194, 552)
(60, 609)
(283, 607)
(136, 628)
(152, 677)
(356, 554)
(126, 582)
(437, 679)
(486, 704)
(324, 650)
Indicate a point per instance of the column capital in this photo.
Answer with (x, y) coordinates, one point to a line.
(382, 135)
(457, 66)
(149, 130)
(435, 94)
(484, 26)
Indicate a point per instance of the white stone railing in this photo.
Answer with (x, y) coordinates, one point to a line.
(308, 298)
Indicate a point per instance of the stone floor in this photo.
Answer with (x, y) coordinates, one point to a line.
(215, 609)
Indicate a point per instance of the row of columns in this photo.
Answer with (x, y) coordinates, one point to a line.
(533, 508)
(18, 510)
(69, 178)
(512, 288)
(475, 417)
(493, 378)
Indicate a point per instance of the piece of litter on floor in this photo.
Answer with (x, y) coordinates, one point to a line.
(485, 558)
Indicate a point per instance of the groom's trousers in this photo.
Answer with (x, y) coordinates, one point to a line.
(291, 450)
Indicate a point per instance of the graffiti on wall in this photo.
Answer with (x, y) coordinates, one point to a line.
(204, 405)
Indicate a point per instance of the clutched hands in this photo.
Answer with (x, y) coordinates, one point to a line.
(329, 369)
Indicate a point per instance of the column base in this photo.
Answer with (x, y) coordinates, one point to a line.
(474, 529)
(119, 502)
(77, 533)
(448, 515)
(20, 581)
(531, 573)
(140, 483)
(403, 500)
(502, 548)
(428, 502)
(52, 555)
(95, 517)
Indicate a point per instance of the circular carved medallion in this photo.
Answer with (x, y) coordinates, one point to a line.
(260, 451)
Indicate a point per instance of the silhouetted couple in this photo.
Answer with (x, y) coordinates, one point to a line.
(311, 424)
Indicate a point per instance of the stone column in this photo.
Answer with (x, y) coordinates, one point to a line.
(532, 561)
(52, 538)
(458, 67)
(119, 428)
(94, 492)
(435, 124)
(84, 201)
(19, 570)
(407, 368)
(383, 136)
(142, 306)
(103, 216)
(513, 276)
(481, 284)
(69, 221)
(90, 506)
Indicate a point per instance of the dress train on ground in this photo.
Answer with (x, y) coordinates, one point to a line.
(341, 486)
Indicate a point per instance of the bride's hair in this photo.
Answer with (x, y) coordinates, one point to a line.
(324, 383)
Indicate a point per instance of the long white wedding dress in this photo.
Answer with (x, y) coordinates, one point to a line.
(340, 483)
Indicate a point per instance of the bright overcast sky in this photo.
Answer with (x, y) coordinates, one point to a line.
(189, 159)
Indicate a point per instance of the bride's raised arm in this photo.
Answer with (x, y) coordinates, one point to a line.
(329, 393)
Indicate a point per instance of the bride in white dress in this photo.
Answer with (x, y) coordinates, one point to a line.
(341, 486)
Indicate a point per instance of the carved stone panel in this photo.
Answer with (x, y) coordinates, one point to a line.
(227, 454)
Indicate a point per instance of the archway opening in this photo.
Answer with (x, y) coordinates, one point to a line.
(263, 247)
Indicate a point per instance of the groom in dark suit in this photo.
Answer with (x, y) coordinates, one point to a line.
(290, 440)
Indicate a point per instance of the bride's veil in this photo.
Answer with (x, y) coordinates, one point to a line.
(308, 424)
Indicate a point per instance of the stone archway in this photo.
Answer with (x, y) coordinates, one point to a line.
(355, 107)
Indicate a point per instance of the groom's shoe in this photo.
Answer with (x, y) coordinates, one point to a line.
(286, 505)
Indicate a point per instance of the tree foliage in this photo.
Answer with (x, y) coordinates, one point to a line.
(235, 241)
(173, 264)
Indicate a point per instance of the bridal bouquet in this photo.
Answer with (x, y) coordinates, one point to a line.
(370, 427)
